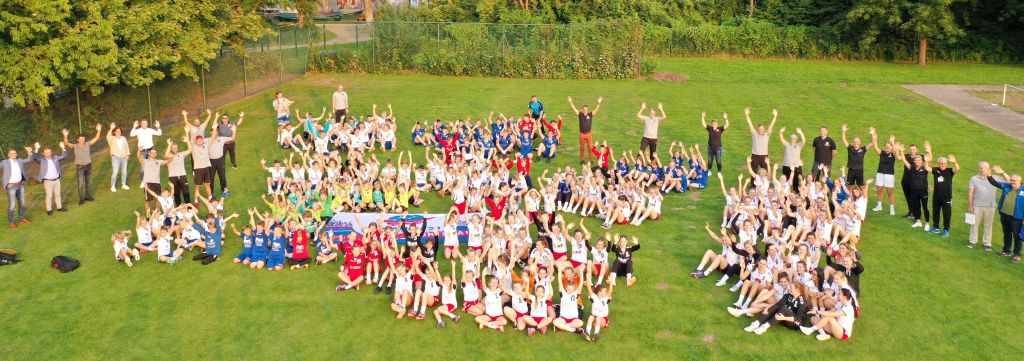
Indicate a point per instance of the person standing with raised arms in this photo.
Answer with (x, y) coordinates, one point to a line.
(759, 140)
(586, 118)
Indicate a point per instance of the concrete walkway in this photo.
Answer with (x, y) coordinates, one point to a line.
(956, 97)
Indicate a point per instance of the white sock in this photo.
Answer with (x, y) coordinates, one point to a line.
(739, 283)
(739, 301)
(746, 304)
(879, 204)
(588, 328)
(597, 327)
(600, 279)
(724, 278)
(390, 281)
(820, 331)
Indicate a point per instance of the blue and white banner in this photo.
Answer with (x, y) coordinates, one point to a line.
(345, 223)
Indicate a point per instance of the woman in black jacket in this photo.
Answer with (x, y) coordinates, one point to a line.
(790, 310)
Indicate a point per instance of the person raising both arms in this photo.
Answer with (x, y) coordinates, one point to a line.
(759, 140)
(145, 134)
(715, 138)
(283, 108)
(792, 163)
(942, 192)
(151, 175)
(201, 166)
(83, 162)
(176, 175)
(119, 153)
(586, 118)
(12, 174)
(854, 160)
(1011, 211)
(651, 122)
(885, 177)
(50, 173)
(227, 129)
(339, 102)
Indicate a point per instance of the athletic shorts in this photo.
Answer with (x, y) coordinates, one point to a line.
(388, 145)
(558, 255)
(885, 180)
(354, 274)
(273, 262)
(537, 319)
(598, 267)
(475, 248)
(244, 256)
(155, 187)
(575, 264)
(520, 315)
(493, 318)
(568, 320)
(461, 207)
(466, 305)
(604, 322)
(450, 308)
(845, 337)
(202, 176)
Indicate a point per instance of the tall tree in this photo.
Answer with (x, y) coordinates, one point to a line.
(53, 45)
(921, 20)
(931, 19)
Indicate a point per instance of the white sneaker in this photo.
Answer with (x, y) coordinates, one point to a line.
(720, 283)
(125, 187)
(806, 330)
(926, 227)
(823, 337)
(142, 185)
(892, 211)
(761, 330)
(735, 312)
(876, 209)
(916, 224)
(735, 288)
(113, 189)
(753, 326)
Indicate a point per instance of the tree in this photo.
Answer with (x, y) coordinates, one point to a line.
(55, 45)
(921, 20)
(931, 19)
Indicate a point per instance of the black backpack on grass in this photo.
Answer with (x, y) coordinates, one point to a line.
(8, 256)
(65, 264)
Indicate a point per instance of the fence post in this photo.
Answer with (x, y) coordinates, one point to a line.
(438, 37)
(1003, 103)
(202, 79)
(78, 104)
(325, 35)
(295, 40)
(149, 101)
(245, 83)
(280, 53)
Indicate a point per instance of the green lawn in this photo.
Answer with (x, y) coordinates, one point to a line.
(924, 297)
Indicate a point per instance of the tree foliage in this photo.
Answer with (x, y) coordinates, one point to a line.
(49, 46)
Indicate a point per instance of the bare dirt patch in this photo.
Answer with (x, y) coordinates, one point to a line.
(708, 338)
(665, 334)
(661, 286)
(669, 76)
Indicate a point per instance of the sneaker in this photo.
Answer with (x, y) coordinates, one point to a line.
(412, 313)
(544, 331)
(970, 245)
(128, 261)
(172, 261)
(457, 318)
(595, 337)
(113, 189)
(720, 283)
(927, 227)
(735, 312)
(988, 248)
(142, 185)
(421, 316)
(125, 187)
(24, 221)
(945, 233)
(1004, 254)
(806, 330)
(933, 231)
(377, 290)
(702, 275)
(753, 326)
(585, 336)
(761, 330)
(441, 324)
(877, 208)
(1015, 259)
(340, 288)
(390, 290)
(916, 224)
(823, 337)
(531, 331)
(735, 288)
(225, 194)
(696, 272)
(892, 211)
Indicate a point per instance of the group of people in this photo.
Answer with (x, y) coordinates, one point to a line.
(520, 249)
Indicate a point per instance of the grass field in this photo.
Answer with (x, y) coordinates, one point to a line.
(923, 297)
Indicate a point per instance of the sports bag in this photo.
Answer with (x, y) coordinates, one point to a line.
(65, 264)
(8, 256)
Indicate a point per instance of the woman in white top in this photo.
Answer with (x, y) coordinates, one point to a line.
(493, 316)
(837, 323)
(653, 209)
(122, 252)
(119, 152)
(568, 311)
(403, 289)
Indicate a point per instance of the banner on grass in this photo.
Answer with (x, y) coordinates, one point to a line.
(345, 223)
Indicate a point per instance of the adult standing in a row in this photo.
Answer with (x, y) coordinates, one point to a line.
(981, 202)
(119, 153)
(1011, 211)
(651, 122)
(339, 102)
(176, 175)
(824, 150)
(226, 129)
(885, 176)
(145, 134)
(218, 164)
(586, 118)
(535, 108)
(283, 108)
(854, 160)
(12, 174)
(792, 163)
(715, 138)
(50, 173)
(759, 140)
(83, 162)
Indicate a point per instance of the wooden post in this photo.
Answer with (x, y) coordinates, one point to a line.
(922, 53)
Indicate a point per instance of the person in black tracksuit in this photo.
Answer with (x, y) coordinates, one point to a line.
(942, 195)
(854, 160)
(908, 159)
(917, 188)
(790, 311)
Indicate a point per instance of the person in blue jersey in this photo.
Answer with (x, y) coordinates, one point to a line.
(505, 142)
(419, 135)
(525, 143)
(260, 244)
(247, 236)
(213, 232)
(277, 245)
(549, 146)
(699, 171)
(535, 107)
(675, 179)
(325, 248)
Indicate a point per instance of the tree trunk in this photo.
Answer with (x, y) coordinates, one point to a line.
(750, 12)
(368, 10)
(922, 51)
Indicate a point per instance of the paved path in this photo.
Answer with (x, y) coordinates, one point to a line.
(956, 97)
